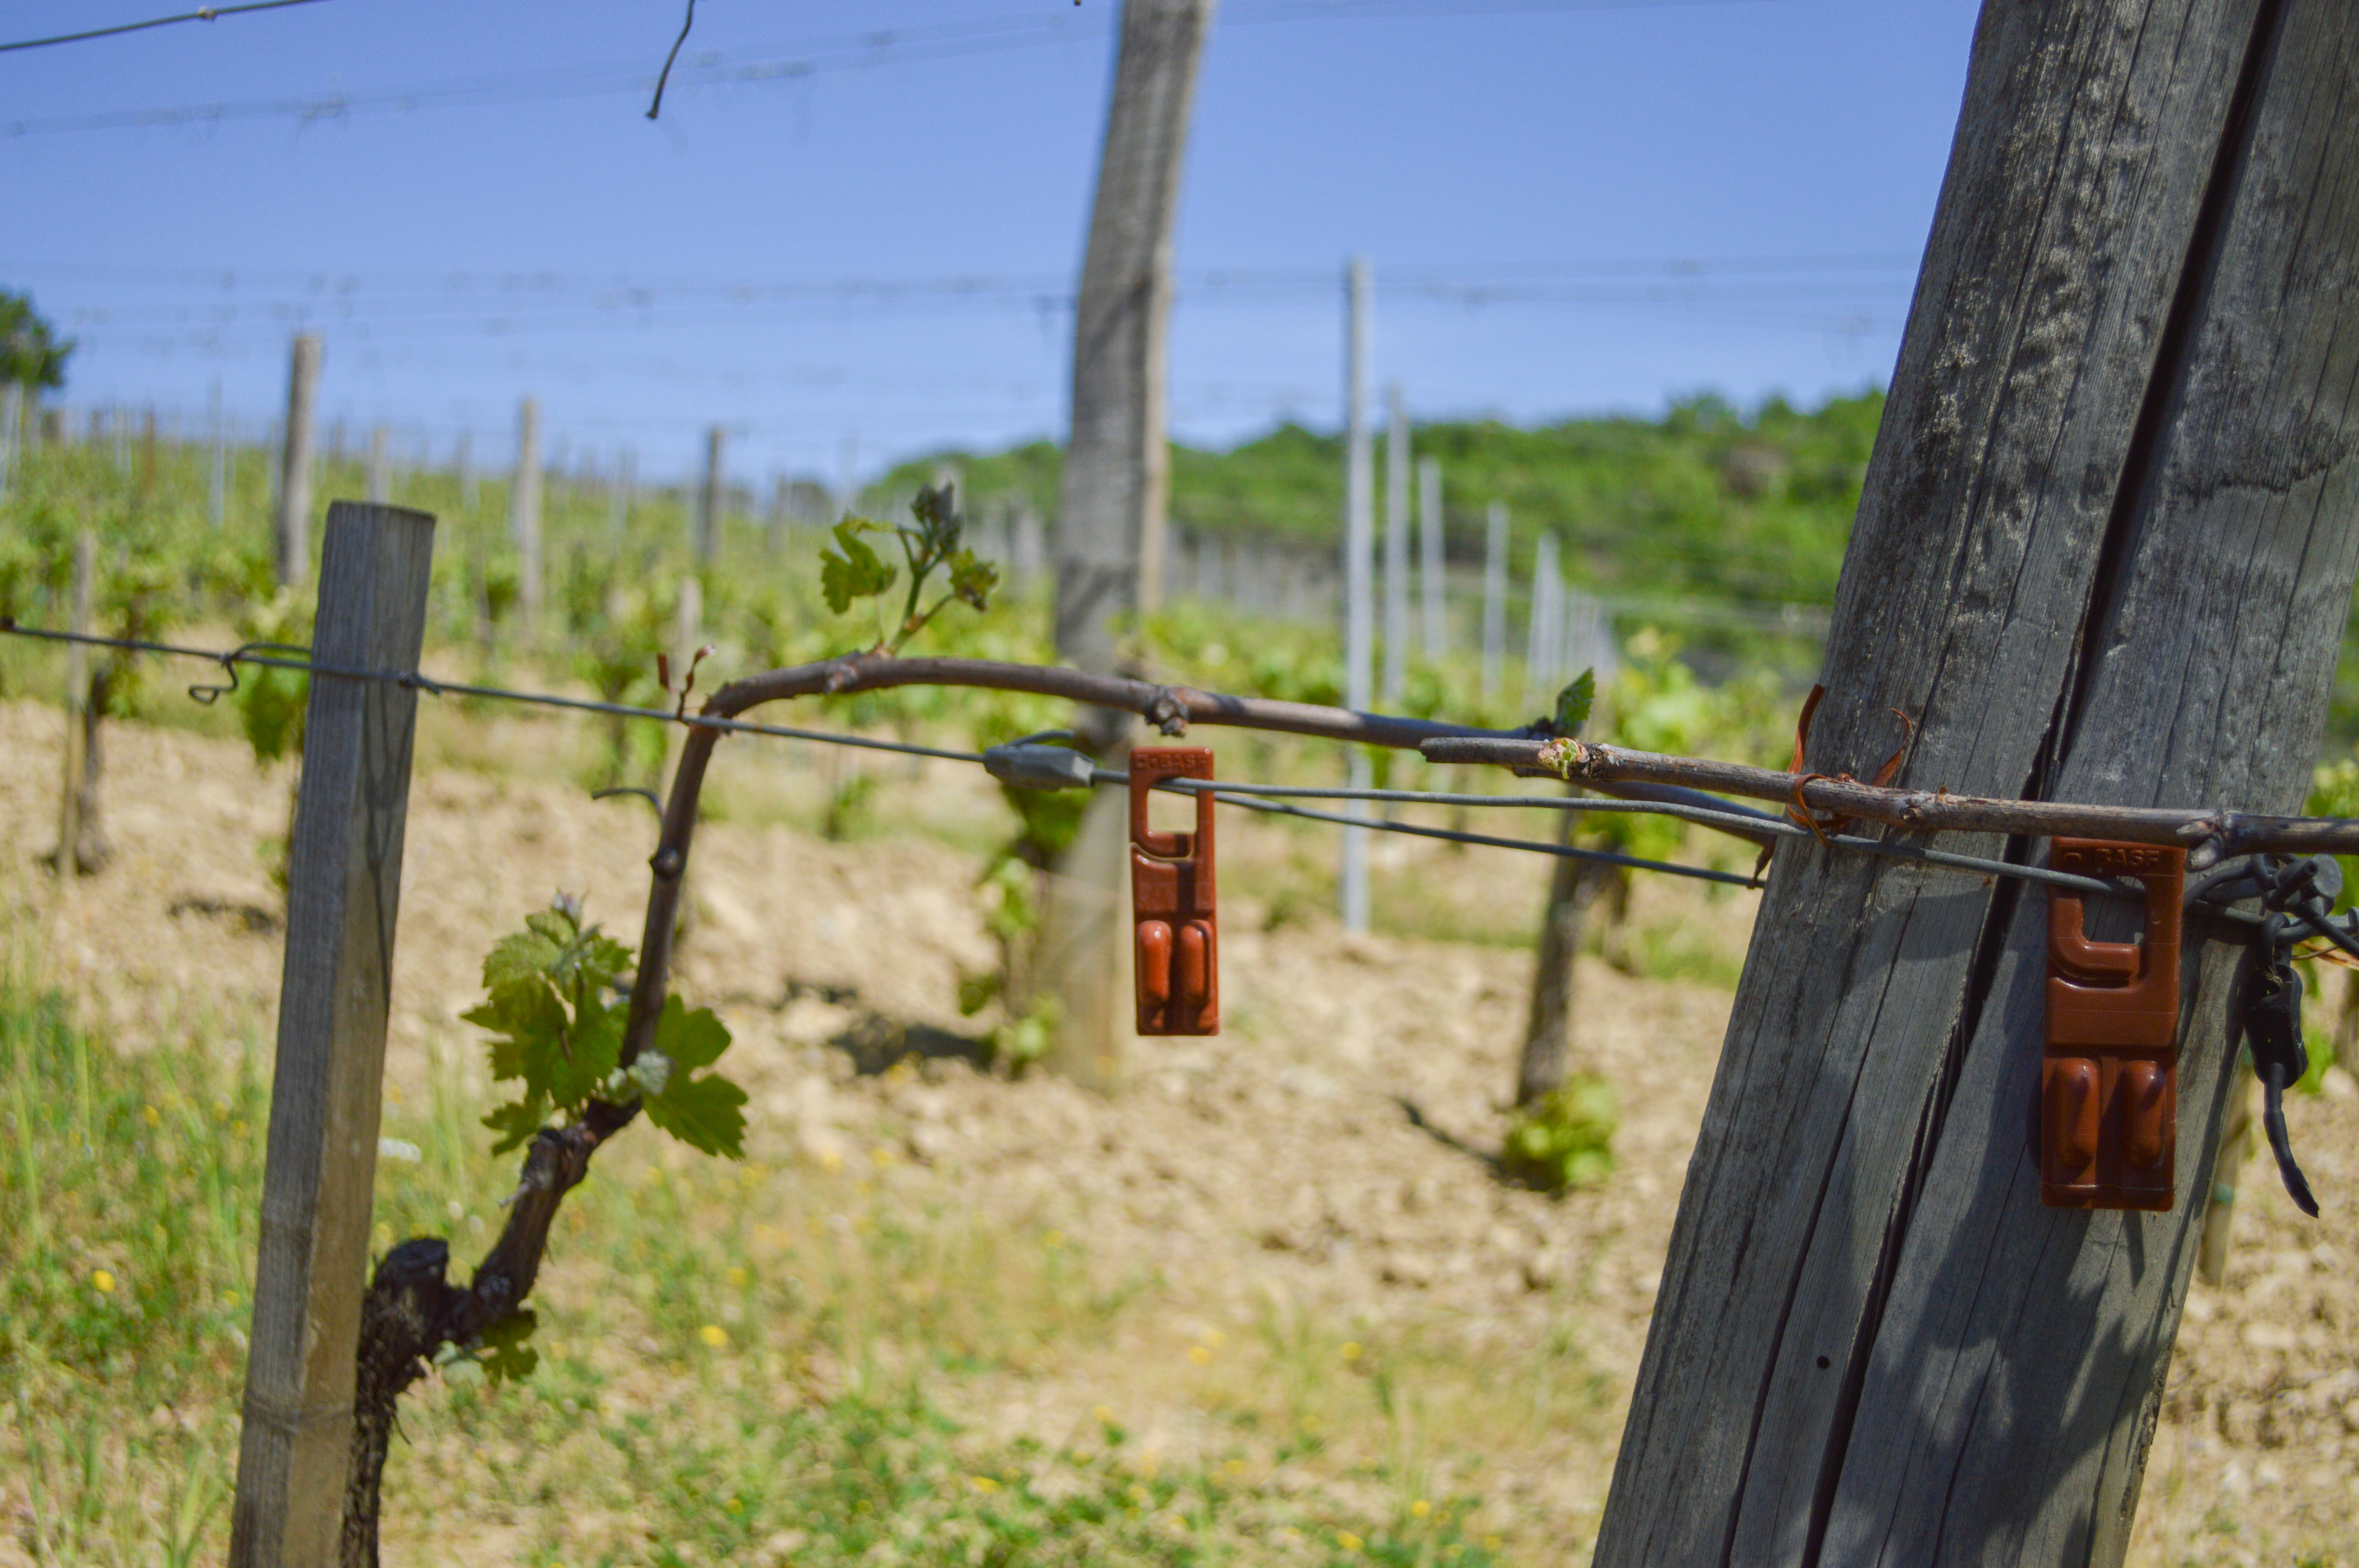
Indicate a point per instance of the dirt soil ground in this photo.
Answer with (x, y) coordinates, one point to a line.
(1275, 1162)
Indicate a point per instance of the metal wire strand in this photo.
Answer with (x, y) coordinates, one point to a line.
(202, 14)
(1263, 798)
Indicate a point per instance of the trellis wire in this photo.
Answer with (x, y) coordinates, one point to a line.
(1264, 797)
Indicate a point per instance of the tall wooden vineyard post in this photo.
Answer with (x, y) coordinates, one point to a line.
(1115, 487)
(343, 892)
(2104, 554)
(710, 500)
(292, 527)
(523, 513)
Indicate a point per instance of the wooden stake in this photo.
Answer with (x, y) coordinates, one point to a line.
(524, 513)
(1114, 493)
(1117, 477)
(11, 433)
(619, 516)
(2090, 563)
(77, 701)
(708, 501)
(343, 896)
(293, 525)
(380, 466)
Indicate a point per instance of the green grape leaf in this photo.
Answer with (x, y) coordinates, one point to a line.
(707, 1113)
(691, 1040)
(502, 1351)
(591, 1055)
(972, 578)
(522, 959)
(1573, 703)
(516, 1123)
(598, 960)
(271, 707)
(527, 1024)
(858, 572)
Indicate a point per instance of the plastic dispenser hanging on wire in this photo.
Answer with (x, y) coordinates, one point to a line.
(2109, 1081)
(1175, 926)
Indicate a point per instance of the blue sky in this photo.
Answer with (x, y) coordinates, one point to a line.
(855, 226)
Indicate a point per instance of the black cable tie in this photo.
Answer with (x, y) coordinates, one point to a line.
(2271, 1010)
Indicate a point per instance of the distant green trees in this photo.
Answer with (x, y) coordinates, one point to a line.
(1706, 499)
(31, 355)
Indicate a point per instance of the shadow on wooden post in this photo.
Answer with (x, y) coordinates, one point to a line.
(343, 891)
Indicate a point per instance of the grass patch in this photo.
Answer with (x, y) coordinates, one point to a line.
(736, 1363)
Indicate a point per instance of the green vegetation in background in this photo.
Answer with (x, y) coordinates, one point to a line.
(1564, 1139)
(679, 1411)
(31, 355)
(1705, 500)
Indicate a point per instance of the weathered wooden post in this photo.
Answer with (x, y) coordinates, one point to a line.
(523, 513)
(709, 501)
(1109, 532)
(343, 890)
(292, 532)
(70, 786)
(620, 495)
(2104, 554)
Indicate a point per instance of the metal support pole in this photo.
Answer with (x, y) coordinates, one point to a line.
(1396, 500)
(1431, 566)
(217, 491)
(1359, 529)
(1495, 598)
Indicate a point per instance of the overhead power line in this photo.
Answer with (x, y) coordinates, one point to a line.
(202, 14)
(773, 63)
